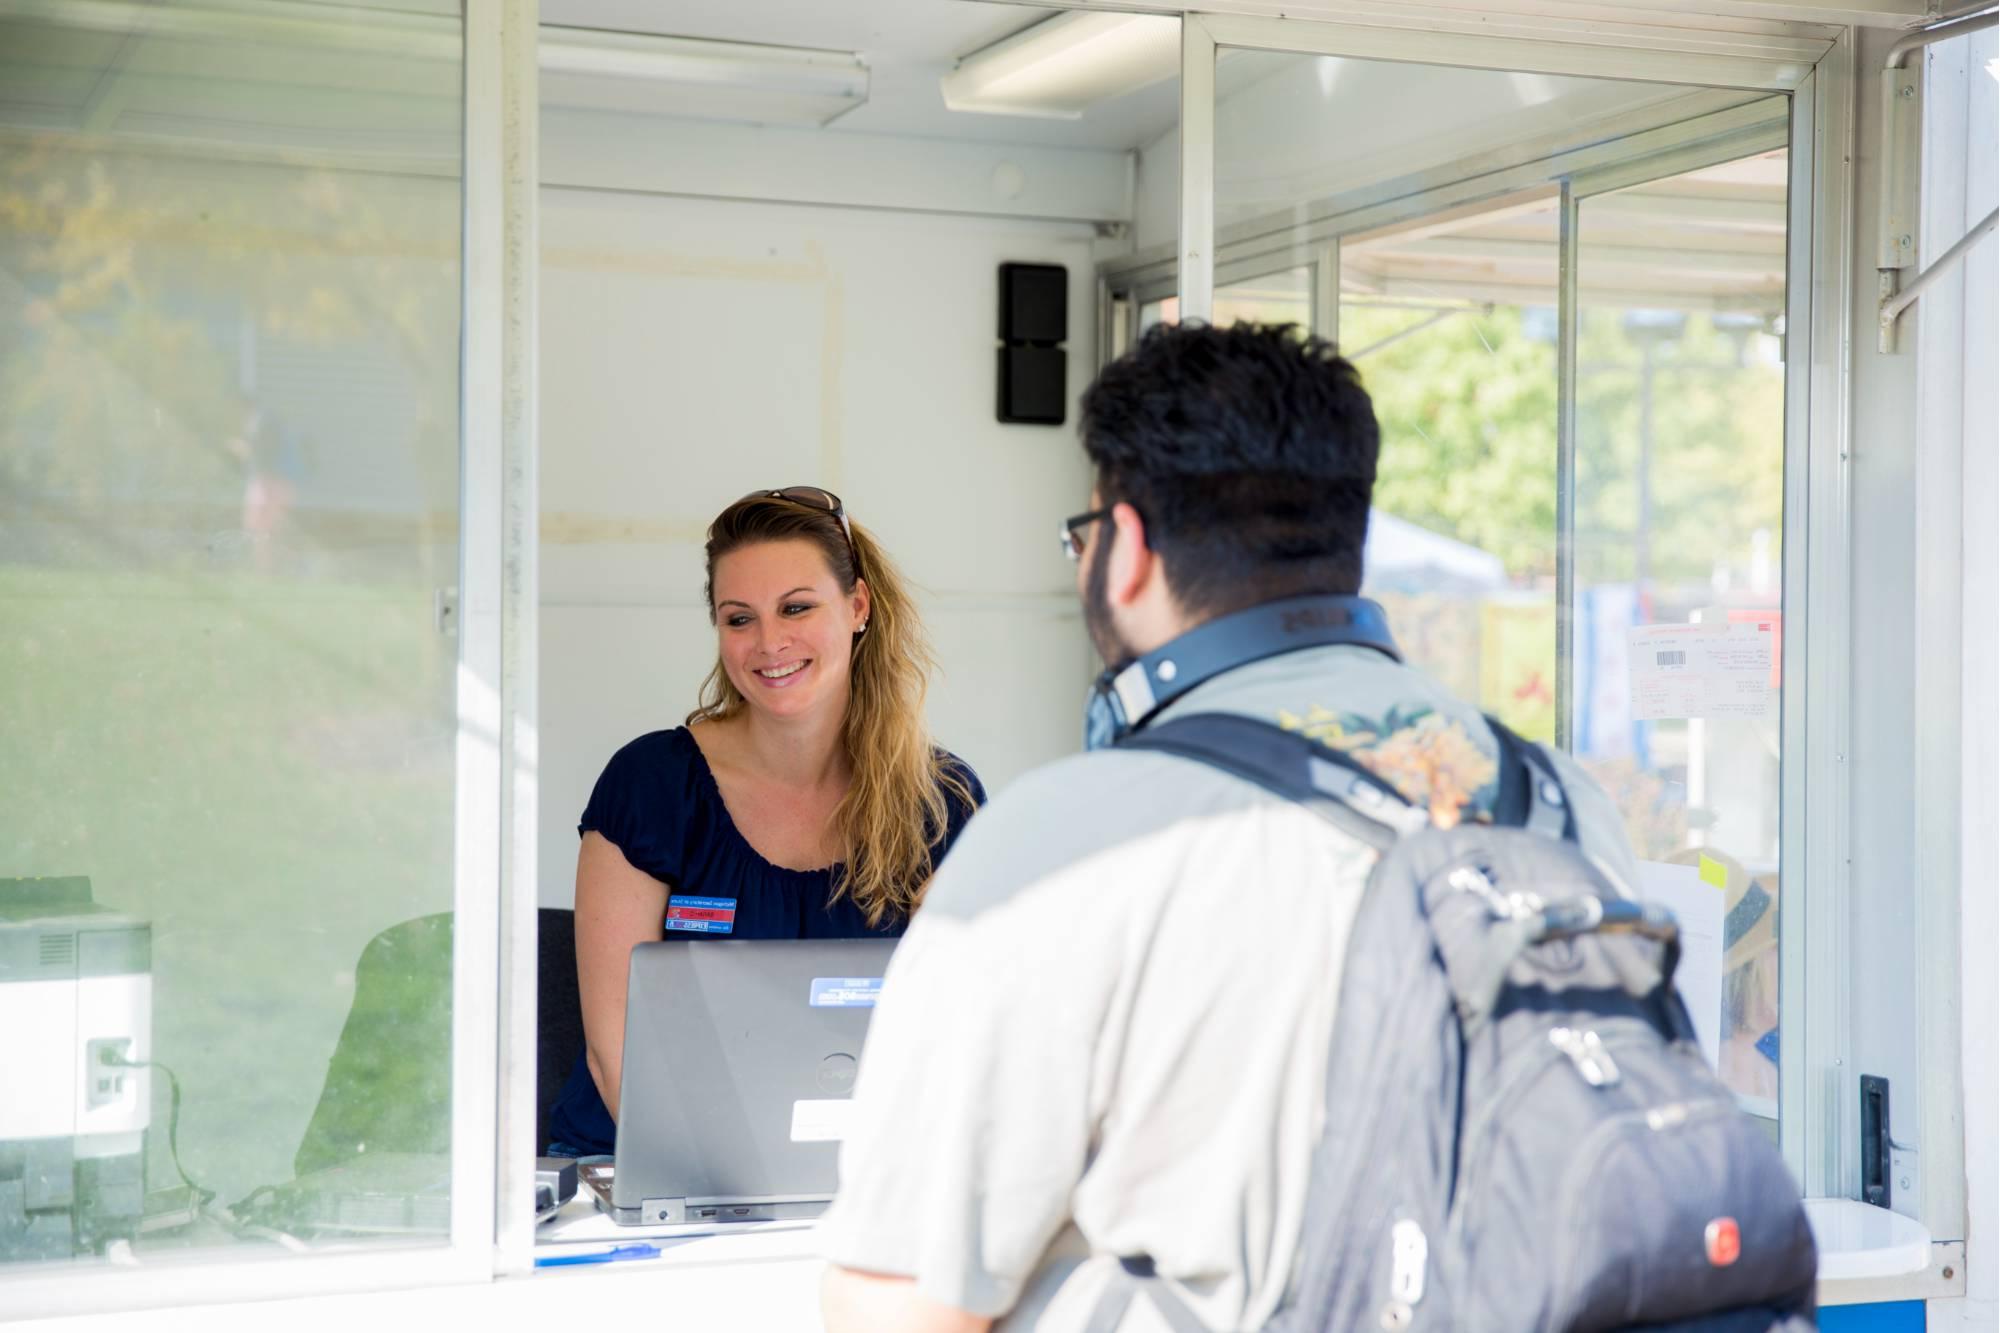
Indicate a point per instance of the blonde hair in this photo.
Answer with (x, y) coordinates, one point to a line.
(895, 812)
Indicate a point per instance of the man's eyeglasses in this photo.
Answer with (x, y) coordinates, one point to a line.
(1072, 529)
(812, 497)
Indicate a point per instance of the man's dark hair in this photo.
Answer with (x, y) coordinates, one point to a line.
(1250, 454)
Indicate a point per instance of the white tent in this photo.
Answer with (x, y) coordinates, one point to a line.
(1400, 556)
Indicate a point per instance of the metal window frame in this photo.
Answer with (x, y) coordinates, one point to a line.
(1951, 650)
(493, 897)
(510, 381)
(1285, 240)
(1814, 955)
(1815, 72)
(493, 988)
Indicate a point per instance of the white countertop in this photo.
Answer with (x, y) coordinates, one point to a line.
(1859, 1240)
(581, 1224)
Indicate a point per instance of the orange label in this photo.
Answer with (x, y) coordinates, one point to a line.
(1724, 1241)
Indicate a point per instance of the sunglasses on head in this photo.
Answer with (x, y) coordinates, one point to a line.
(812, 497)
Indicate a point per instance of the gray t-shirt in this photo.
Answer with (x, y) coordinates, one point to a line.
(1106, 1030)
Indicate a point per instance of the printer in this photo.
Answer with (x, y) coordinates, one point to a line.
(76, 1020)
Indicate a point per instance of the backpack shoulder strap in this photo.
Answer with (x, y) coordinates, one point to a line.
(1341, 790)
(1531, 791)
(1298, 768)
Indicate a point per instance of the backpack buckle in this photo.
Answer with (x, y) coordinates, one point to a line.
(1587, 1052)
(1505, 906)
(1409, 1255)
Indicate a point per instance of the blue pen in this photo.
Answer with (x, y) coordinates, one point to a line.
(639, 1251)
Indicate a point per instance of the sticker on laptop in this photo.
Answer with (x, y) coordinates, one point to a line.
(701, 916)
(844, 992)
(821, 1120)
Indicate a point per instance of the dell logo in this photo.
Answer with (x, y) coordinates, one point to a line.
(836, 1073)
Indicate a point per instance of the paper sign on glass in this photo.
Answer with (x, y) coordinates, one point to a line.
(1714, 671)
(1692, 896)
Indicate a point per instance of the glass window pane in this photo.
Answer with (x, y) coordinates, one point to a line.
(1453, 326)
(1284, 297)
(1452, 318)
(1680, 465)
(229, 328)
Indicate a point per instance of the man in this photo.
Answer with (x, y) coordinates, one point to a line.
(1106, 1032)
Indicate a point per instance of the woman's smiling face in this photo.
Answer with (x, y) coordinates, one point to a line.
(785, 629)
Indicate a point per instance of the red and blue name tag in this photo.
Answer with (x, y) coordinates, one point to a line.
(701, 916)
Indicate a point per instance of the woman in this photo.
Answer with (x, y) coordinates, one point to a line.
(803, 799)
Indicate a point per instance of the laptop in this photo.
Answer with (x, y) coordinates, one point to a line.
(740, 1058)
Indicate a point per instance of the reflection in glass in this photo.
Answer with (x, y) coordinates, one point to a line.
(1679, 503)
(1274, 298)
(229, 295)
(1452, 323)
(1451, 314)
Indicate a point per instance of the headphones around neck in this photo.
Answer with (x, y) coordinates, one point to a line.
(1126, 698)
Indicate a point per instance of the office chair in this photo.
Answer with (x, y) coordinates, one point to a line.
(559, 1026)
(388, 1083)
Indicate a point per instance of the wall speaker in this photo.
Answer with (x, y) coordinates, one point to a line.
(1034, 319)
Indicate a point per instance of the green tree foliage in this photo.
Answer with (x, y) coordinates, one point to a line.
(1468, 411)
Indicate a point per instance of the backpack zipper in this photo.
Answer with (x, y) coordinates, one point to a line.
(1409, 1253)
(1585, 1050)
(1526, 1066)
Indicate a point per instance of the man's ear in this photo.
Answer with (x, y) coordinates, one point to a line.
(1133, 564)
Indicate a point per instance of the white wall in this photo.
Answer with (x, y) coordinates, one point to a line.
(696, 349)
(1957, 350)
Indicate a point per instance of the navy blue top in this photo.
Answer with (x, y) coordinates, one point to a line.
(657, 802)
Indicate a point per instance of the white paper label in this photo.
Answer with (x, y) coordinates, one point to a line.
(823, 1120)
(1697, 907)
(1686, 671)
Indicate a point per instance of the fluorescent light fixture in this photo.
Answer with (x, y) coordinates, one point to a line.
(684, 76)
(1064, 64)
(580, 67)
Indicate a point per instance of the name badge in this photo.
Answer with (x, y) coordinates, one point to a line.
(701, 916)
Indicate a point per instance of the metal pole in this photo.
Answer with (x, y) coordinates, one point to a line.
(1900, 152)
(1567, 315)
(1326, 292)
(1197, 253)
(1940, 33)
(1642, 534)
(1894, 306)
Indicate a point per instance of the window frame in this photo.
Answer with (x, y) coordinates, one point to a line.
(1814, 70)
(494, 823)
(495, 829)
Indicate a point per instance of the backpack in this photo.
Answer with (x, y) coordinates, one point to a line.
(1521, 1132)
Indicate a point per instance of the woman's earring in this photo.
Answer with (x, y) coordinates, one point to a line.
(863, 629)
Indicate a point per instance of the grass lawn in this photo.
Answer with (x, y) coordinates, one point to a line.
(263, 768)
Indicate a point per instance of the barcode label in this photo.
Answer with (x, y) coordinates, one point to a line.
(1675, 658)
